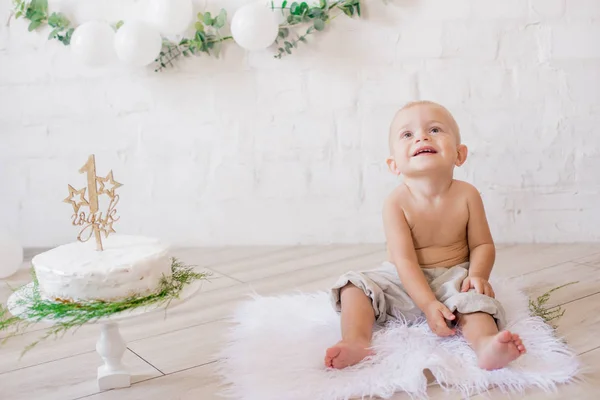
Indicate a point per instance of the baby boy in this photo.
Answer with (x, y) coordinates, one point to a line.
(440, 250)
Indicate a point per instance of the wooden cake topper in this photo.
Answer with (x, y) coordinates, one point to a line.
(94, 223)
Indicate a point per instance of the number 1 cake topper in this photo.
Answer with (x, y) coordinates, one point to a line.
(94, 223)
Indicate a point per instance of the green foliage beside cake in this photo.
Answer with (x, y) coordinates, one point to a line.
(69, 315)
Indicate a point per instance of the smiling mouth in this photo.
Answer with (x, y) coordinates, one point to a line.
(424, 151)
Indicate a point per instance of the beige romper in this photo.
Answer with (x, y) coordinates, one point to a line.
(390, 299)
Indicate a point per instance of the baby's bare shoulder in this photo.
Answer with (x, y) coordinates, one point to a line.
(397, 197)
(395, 202)
(465, 190)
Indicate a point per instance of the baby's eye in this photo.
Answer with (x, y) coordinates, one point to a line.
(435, 129)
(406, 135)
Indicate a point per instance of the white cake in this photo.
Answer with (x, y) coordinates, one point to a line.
(129, 265)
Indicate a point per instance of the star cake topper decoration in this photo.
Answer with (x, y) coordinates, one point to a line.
(94, 222)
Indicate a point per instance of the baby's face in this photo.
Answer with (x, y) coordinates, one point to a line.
(424, 139)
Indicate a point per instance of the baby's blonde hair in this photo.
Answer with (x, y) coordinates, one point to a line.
(453, 124)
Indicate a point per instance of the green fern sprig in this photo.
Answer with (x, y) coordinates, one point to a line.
(540, 308)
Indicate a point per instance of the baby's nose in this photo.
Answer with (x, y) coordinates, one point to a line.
(421, 136)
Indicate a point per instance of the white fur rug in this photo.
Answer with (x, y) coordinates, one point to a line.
(276, 347)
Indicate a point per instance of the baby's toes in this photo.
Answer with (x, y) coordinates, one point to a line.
(519, 345)
(516, 339)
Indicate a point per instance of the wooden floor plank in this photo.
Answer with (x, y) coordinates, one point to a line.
(66, 378)
(292, 253)
(518, 260)
(200, 383)
(581, 324)
(208, 258)
(586, 278)
(72, 344)
(334, 254)
(593, 260)
(184, 348)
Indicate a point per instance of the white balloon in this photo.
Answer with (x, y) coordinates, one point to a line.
(93, 43)
(170, 17)
(11, 256)
(254, 27)
(137, 43)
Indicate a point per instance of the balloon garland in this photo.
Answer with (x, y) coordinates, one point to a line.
(142, 42)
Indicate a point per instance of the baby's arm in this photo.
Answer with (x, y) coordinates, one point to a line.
(404, 257)
(481, 244)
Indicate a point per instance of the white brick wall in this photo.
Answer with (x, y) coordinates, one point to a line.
(249, 150)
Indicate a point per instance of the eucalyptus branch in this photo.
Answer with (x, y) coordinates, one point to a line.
(314, 16)
(36, 12)
(207, 39)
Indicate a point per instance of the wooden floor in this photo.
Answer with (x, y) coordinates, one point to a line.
(174, 358)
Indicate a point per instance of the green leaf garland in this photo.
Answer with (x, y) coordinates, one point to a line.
(207, 37)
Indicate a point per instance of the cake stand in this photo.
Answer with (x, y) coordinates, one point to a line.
(110, 345)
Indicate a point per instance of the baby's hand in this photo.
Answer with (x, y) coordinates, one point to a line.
(480, 285)
(437, 314)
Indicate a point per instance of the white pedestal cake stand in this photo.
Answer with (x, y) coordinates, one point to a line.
(110, 346)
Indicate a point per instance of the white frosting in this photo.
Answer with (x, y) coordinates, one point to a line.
(129, 265)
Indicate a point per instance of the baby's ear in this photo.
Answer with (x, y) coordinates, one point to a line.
(462, 154)
(393, 167)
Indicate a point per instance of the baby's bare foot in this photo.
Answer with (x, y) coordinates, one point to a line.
(500, 350)
(346, 353)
